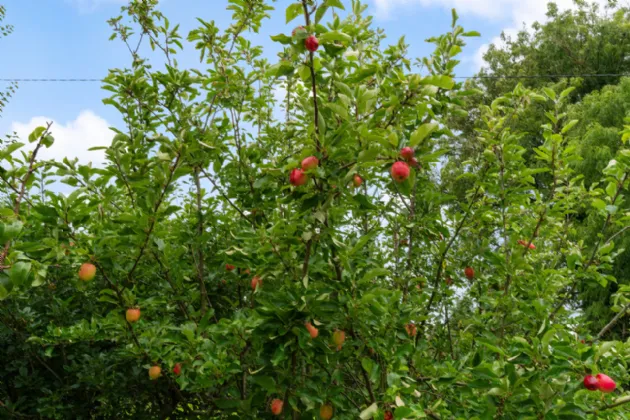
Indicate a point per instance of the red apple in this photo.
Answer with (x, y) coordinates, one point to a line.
(177, 370)
(133, 314)
(469, 272)
(87, 272)
(155, 372)
(311, 43)
(414, 162)
(338, 338)
(276, 406)
(400, 171)
(298, 177)
(309, 163)
(229, 267)
(314, 332)
(388, 415)
(357, 181)
(407, 153)
(256, 282)
(326, 412)
(591, 383)
(412, 330)
(524, 243)
(606, 384)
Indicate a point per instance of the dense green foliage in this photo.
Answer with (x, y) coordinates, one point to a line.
(193, 205)
(589, 40)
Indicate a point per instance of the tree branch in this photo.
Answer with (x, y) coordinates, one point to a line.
(29, 172)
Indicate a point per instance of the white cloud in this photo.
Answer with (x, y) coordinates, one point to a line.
(515, 13)
(72, 139)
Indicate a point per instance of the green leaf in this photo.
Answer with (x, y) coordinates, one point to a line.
(440, 81)
(36, 134)
(455, 49)
(335, 36)
(375, 272)
(48, 141)
(599, 204)
(490, 346)
(280, 69)
(265, 382)
(282, 38)
(569, 126)
(369, 412)
(338, 110)
(293, 11)
(403, 412)
(335, 3)
(550, 93)
(367, 364)
(471, 34)
(606, 248)
(321, 11)
(10, 231)
(454, 17)
(421, 133)
(611, 189)
(566, 92)
(361, 242)
(19, 273)
(4, 293)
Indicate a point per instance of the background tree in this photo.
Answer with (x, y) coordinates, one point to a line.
(589, 40)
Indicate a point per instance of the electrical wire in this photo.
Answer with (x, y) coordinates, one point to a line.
(534, 76)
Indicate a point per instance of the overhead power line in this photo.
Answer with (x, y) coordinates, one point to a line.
(545, 76)
(533, 76)
(51, 80)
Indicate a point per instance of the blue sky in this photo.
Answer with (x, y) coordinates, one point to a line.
(69, 39)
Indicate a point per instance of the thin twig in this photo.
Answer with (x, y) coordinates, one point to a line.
(613, 321)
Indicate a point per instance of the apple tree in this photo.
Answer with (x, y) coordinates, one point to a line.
(272, 238)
